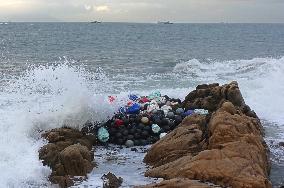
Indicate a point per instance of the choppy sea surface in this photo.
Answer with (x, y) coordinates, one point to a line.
(61, 73)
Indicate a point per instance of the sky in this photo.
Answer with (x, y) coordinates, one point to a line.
(196, 11)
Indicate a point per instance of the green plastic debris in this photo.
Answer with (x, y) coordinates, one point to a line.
(103, 134)
(156, 128)
(156, 95)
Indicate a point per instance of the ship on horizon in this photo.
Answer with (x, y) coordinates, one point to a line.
(97, 22)
(167, 22)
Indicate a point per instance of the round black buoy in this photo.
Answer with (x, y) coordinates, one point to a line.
(141, 126)
(137, 135)
(157, 120)
(125, 132)
(179, 111)
(132, 131)
(130, 137)
(120, 141)
(129, 143)
(143, 142)
(137, 142)
(171, 115)
(147, 128)
(164, 122)
(178, 119)
(145, 134)
(112, 131)
(172, 124)
(166, 128)
(118, 135)
(125, 121)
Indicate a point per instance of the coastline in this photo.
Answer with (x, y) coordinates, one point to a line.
(224, 101)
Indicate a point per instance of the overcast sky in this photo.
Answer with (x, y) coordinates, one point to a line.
(143, 10)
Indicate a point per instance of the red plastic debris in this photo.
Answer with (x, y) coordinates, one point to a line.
(111, 99)
(144, 100)
(129, 103)
(118, 122)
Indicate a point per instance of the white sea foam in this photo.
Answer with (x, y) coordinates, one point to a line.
(46, 97)
(260, 80)
(41, 99)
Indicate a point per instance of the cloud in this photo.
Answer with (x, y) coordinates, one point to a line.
(88, 7)
(102, 8)
(143, 10)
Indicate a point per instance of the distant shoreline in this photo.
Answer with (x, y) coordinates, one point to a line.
(142, 22)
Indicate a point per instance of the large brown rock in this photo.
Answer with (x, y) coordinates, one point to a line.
(178, 183)
(76, 160)
(235, 153)
(211, 96)
(184, 140)
(68, 154)
(111, 181)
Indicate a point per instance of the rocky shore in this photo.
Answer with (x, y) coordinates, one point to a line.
(223, 148)
(68, 154)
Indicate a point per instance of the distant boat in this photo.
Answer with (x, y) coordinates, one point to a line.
(167, 22)
(96, 22)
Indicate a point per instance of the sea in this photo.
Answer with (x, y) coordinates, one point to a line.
(55, 74)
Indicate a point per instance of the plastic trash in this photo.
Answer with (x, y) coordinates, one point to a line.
(103, 134)
(168, 103)
(118, 122)
(156, 128)
(156, 95)
(163, 100)
(129, 103)
(188, 113)
(111, 99)
(201, 111)
(162, 135)
(144, 100)
(179, 111)
(174, 103)
(122, 110)
(134, 109)
(166, 109)
(153, 106)
(133, 97)
(171, 115)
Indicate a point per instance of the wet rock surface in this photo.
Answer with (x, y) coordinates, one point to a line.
(179, 183)
(186, 139)
(211, 96)
(225, 147)
(111, 181)
(68, 153)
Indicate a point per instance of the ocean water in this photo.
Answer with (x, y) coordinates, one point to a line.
(61, 73)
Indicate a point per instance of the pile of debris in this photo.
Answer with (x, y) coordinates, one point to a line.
(143, 120)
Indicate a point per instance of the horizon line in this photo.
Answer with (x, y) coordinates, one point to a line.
(141, 22)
